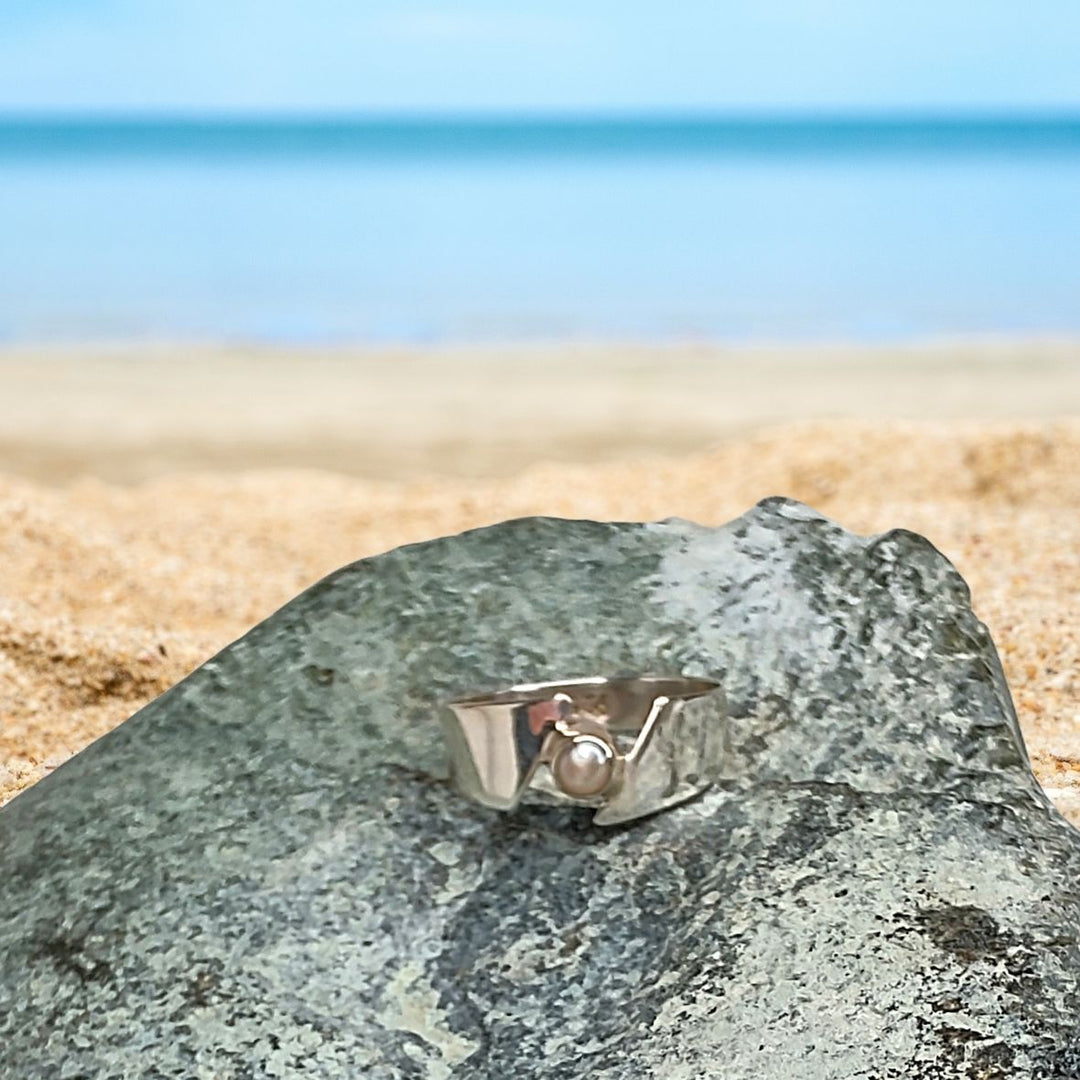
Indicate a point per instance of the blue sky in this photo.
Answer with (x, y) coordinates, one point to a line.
(353, 55)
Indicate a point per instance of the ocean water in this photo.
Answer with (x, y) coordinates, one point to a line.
(474, 230)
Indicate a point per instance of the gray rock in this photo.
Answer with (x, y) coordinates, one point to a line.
(264, 873)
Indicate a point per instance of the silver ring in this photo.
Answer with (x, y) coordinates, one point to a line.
(626, 746)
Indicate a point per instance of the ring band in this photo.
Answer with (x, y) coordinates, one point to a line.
(626, 746)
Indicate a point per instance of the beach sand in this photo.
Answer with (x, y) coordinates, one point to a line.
(155, 504)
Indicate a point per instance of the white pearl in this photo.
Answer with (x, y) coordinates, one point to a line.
(584, 767)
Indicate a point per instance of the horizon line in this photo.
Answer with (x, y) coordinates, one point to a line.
(1056, 114)
(516, 137)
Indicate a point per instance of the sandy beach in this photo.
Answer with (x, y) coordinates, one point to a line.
(156, 503)
(132, 413)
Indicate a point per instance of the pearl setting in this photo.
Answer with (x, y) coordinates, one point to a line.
(584, 766)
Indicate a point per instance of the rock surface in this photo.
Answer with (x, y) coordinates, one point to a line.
(264, 874)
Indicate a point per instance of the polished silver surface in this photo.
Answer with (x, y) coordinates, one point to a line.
(626, 746)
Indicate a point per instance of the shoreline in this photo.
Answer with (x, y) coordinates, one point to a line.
(126, 414)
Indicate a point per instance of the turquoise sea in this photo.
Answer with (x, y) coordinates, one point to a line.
(467, 229)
